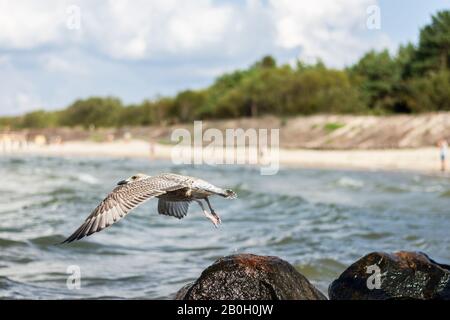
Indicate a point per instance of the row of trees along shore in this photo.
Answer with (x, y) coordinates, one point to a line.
(415, 79)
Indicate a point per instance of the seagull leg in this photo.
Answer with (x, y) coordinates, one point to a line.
(210, 216)
(212, 210)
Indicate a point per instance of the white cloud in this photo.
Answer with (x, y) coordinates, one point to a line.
(140, 29)
(190, 41)
(153, 29)
(27, 24)
(333, 30)
(61, 64)
(18, 94)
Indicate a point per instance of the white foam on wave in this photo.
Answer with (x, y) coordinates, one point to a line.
(349, 182)
(87, 178)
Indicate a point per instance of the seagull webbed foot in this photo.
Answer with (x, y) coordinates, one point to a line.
(219, 221)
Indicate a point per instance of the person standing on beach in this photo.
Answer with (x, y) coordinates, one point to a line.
(443, 147)
(151, 147)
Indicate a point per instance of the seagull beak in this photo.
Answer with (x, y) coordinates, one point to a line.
(122, 182)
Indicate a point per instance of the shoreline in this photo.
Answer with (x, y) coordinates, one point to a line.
(423, 160)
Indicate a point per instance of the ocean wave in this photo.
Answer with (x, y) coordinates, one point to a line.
(318, 220)
(350, 183)
(320, 268)
(372, 235)
(10, 243)
(86, 178)
(44, 241)
(445, 194)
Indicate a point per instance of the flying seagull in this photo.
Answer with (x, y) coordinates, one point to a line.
(175, 192)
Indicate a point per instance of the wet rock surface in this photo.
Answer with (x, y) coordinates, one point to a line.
(401, 275)
(248, 276)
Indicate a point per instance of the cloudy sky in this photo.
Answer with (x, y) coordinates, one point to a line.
(54, 51)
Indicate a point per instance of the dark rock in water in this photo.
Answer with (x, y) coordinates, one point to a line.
(401, 275)
(248, 276)
(182, 292)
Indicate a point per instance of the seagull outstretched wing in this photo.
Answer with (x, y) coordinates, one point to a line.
(122, 200)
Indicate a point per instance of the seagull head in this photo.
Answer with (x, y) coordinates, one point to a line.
(134, 178)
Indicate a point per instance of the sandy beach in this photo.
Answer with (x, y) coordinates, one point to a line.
(419, 159)
(400, 142)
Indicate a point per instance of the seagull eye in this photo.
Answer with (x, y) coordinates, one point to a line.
(133, 177)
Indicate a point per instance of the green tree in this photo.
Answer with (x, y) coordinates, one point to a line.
(316, 89)
(186, 104)
(222, 86)
(405, 59)
(261, 91)
(39, 119)
(434, 44)
(376, 74)
(160, 108)
(95, 111)
(431, 93)
(10, 122)
(133, 115)
(266, 62)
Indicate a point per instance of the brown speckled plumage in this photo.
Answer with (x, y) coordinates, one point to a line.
(174, 191)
